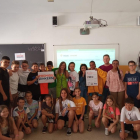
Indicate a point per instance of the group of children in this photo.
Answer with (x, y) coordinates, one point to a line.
(66, 99)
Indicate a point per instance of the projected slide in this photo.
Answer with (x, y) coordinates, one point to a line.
(83, 56)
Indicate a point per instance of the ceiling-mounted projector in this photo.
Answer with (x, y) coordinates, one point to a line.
(94, 23)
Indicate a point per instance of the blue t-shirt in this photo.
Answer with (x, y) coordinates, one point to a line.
(132, 84)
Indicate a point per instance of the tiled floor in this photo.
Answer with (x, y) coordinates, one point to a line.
(95, 134)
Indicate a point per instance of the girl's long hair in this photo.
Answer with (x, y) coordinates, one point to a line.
(118, 69)
(9, 120)
(113, 106)
(59, 69)
(60, 98)
(80, 72)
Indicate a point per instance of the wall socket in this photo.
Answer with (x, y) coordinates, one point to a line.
(50, 0)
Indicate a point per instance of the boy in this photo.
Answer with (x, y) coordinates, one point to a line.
(132, 84)
(33, 107)
(5, 94)
(130, 119)
(106, 67)
(23, 74)
(52, 86)
(42, 67)
(14, 78)
(32, 82)
(20, 115)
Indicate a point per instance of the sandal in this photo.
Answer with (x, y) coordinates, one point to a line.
(89, 128)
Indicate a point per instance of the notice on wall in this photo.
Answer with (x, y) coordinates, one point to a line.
(91, 78)
(19, 56)
(46, 77)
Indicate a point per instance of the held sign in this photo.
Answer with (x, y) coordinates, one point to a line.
(46, 77)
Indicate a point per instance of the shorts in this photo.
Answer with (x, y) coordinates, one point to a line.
(95, 117)
(35, 118)
(7, 102)
(71, 94)
(109, 122)
(90, 94)
(64, 118)
(14, 102)
(78, 117)
(52, 91)
(127, 128)
(26, 124)
(6, 135)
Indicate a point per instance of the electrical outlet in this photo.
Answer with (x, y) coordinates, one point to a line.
(50, 0)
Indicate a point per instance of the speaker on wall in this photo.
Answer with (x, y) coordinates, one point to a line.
(54, 20)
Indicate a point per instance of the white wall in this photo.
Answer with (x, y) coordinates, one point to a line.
(37, 28)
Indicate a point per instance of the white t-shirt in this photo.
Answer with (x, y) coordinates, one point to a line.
(132, 115)
(23, 76)
(14, 83)
(96, 108)
(65, 104)
(73, 78)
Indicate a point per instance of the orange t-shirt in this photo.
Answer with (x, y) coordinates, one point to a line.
(80, 103)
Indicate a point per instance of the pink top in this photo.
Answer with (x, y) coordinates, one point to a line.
(114, 83)
(111, 112)
(95, 108)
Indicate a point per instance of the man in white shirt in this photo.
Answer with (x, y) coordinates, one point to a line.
(130, 119)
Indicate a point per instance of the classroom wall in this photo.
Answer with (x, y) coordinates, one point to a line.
(37, 28)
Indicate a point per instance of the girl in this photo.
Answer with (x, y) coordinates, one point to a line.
(65, 111)
(48, 114)
(74, 78)
(95, 111)
(110, 115)
(101, 80)
(80, 103)
(82, 83)
(115, 83)
(61, 76)
(8, 130)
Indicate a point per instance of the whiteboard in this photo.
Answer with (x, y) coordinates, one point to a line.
(83, 54)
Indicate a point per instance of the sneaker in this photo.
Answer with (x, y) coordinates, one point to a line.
(135, 135)
(44, 130)
(69, 131)
(106, 132)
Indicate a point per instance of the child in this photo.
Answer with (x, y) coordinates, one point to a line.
(132, 84)
(101, 80)
(106, 67)
(82, 84)
(65, 111)
(130, 119)
(14, 78)
(5, 94)
(110, 115)
(8, 129)
(42, 67)
(61, 76)
(80, 103)
(33, 107)
(74, 78)
(115, 83)
(23, 73)
(20, 115)
(32, 82)
(52, 86)
(95, 111)
(48, 114)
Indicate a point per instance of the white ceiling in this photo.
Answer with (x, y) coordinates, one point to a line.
(68, 6)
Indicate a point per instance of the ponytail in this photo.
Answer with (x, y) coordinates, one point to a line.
(119, 73)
